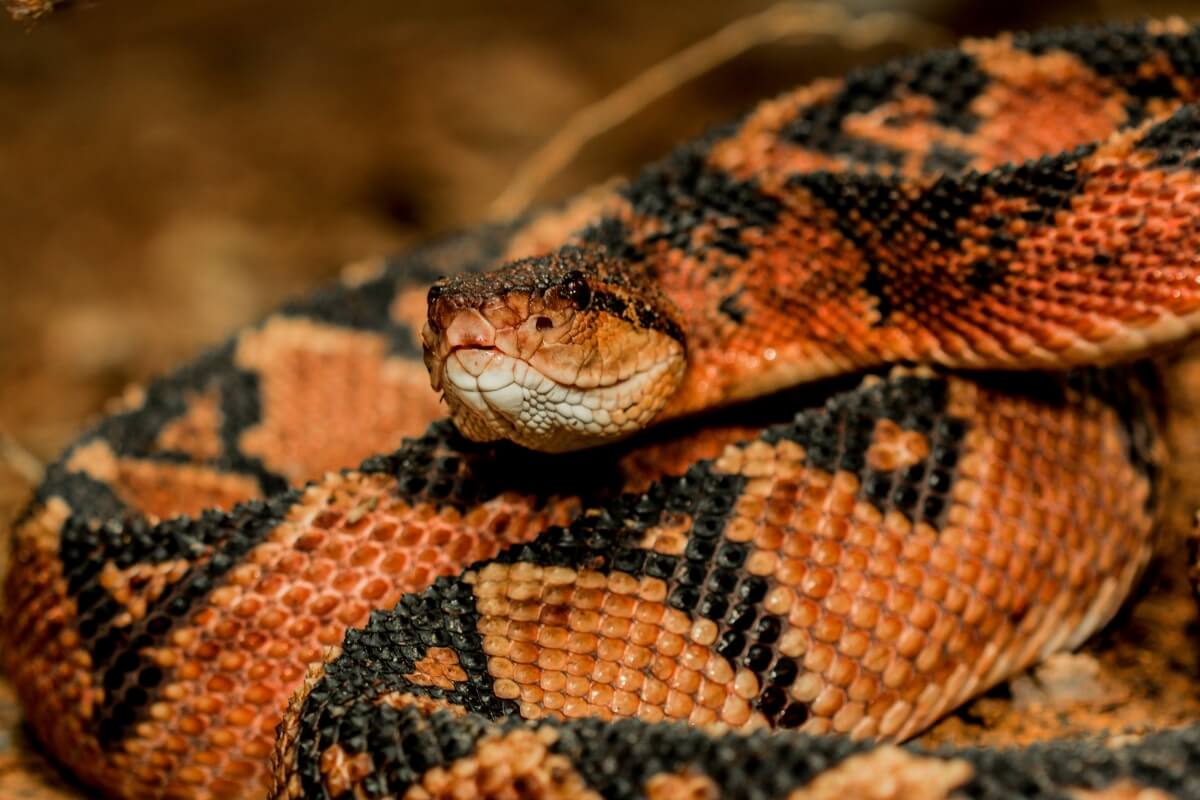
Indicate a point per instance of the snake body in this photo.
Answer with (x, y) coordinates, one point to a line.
(466, 618)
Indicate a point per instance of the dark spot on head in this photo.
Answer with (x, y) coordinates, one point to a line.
(575, 289)
(543, 323)
(731, 308)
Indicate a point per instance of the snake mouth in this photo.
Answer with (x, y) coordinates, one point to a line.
(496, 395)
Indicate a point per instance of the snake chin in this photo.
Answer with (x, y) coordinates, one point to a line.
(493, 395)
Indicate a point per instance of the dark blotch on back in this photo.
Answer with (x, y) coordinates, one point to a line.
(950, 78)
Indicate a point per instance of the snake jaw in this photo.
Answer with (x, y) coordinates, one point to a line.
(493, 395)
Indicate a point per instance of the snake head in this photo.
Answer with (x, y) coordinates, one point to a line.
(555, 353)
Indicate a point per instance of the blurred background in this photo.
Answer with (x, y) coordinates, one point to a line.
(169, 171)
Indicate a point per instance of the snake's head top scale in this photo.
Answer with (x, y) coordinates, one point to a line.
(555, 353)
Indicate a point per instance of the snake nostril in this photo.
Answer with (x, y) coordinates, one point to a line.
(543, 323)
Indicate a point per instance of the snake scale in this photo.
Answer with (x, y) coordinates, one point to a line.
(757, 602)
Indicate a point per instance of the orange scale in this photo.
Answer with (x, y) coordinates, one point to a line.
(637, 657)
(611, 650)
(600, 695)
(615, 627)
(301, 628)
(1049, 591)
(605, 671)
(643, 634)
(798, 544)
(629, 680)
(576, 685)
(826, 553)
(221, 684)
(976, 610)
(329, 636)
(771, 537)
(552, 659)
(649, 612)
(678, 705)
(439, 536)
(779, 513)
(248, 607)
(839, 528)
(297, 597)
(701, 716)
(967, 571)
(553, 614)
(261, 669)
(580, 665)
(207, 704)
(523, 652)
(864, 688)
(326, 519)
(842, 671)
(817, 582)
(192, 775)
(309, 541)
(523, 611)
(238, 769)
(336, 549)
(582, 643)
(863, 612)
(460, 549)
(365, 555)
(854, 643)
(193, 725)
(273, 618)
(320, 571)
(324, 605)
(624, 704)
(519, 631)
(685, 680)
(532, 695)
(576, 708)
(231, 661)
(525, 673)
(226, 628)
(222, 737)
(352, 613)
(711, 695)
(428, 555)
(374, 590)
(928, 659)
(206, 651)
(552, 681)
(411, 535)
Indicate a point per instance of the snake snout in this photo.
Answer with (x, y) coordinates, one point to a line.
(469, 329)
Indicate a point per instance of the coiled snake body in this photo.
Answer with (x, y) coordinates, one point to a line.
(469, 618)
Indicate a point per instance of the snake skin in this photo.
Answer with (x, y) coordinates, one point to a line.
(466, 620)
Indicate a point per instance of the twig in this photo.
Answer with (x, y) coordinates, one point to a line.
(19, 459)
(778, 22)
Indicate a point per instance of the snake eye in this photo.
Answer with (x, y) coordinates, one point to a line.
(575, 289)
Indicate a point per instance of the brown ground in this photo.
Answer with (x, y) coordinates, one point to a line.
(171, 170)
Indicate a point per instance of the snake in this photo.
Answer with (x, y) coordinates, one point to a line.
(757, 463)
